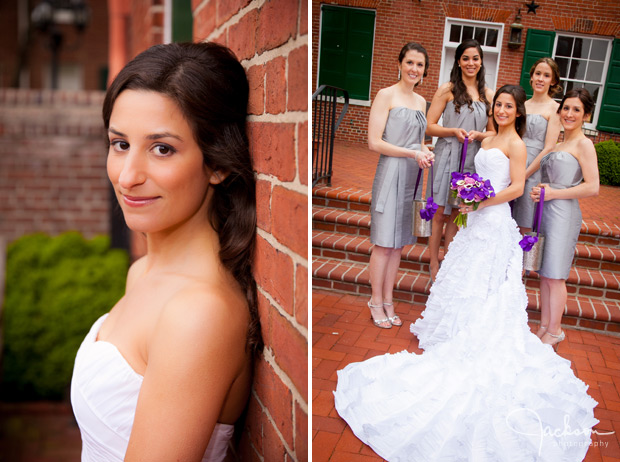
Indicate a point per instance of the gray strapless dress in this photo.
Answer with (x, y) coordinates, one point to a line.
(561, 221)
(394, 183)
(448, 150)
(534, 138)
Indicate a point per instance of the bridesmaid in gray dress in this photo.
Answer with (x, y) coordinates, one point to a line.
(568, 174)
(541, 136)
(396, 130)
(464, 104)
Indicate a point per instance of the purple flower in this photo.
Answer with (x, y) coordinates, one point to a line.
(528, 242)
(429, 210)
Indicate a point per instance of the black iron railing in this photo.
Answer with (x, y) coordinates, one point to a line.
(324, 126)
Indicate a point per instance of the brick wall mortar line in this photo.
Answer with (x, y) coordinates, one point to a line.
(291, 319)
(297, 259)
(290, 185)
(283, 50)
(283, 117)
(269, 359)
(233, 20)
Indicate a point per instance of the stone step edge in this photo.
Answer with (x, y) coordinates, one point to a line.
(361, 244)
(416, 287)
(363, 197)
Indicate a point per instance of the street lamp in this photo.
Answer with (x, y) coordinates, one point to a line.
(49, 15)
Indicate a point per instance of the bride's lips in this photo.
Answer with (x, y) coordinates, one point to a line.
(138, 201)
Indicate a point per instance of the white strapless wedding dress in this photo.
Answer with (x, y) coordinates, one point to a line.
(104, 394)
(485, 388)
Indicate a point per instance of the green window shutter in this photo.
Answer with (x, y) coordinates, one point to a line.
(609, 115)
(182, 21)
(347, 36)
(539, 44)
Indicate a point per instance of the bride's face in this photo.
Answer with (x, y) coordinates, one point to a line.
(505, 110)
(154, 163)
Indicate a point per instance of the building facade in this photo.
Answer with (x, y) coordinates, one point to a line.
(355, 46)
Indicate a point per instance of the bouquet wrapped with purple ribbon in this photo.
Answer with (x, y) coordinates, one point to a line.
(471, 189)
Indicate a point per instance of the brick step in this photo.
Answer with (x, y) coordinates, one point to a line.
(413, 287)
(349, 230)
(358, 203)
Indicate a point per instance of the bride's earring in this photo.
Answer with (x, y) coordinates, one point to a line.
(421, 80)
(399, 74)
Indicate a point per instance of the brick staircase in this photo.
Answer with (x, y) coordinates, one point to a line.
(341, 251)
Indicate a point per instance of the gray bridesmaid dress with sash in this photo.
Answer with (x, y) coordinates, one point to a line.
(534, 138)
(394, 183)
(561, 220)
(448, 150)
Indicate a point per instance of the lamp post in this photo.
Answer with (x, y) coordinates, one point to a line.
(49, 15)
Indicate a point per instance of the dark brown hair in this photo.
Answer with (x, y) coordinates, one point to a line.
(413, 46)
(585, 98)
(555, 88)
(211, 89)
(519, 96)
(459, 90)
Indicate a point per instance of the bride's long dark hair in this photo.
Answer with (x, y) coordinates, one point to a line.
(211, 89)
(519, 96)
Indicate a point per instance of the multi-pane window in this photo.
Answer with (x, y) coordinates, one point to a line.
(583, 63)
(487, 34)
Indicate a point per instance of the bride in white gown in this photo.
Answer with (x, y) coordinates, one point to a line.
(486, 388)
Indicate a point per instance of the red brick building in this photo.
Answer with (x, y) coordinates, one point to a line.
(355, 43)
(53, 177)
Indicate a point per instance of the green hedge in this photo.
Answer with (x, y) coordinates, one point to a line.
(608, 153)
(55, 289)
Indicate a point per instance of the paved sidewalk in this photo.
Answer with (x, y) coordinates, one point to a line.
(354, 165)
(342, 333)
(38, 432)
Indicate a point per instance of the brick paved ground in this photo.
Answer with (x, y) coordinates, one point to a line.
(342, 333)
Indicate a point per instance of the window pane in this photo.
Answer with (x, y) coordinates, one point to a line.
(564, 47)
(468, 32)
(491, 38)
(599, 50)
(455, 33)
(568, 86)
(595, 71)
(577, 69)
(593, 89)
(563, 65)
(581, 49)
(479, 35)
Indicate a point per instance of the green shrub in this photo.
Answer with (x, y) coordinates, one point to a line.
(608, 153)
(55, 289)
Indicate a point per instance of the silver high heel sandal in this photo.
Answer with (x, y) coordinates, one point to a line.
(378, 322)
(561, 336)
(394, 320)
(542, 330)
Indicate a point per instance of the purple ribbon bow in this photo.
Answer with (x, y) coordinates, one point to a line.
(528, 242)
(428, 212)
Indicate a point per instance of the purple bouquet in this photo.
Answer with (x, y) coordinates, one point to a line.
(471, 189)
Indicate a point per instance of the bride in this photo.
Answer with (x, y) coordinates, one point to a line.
(486, 388)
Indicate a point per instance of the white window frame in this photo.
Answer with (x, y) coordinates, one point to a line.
(444, 73)
(352, 102)
(599, 100)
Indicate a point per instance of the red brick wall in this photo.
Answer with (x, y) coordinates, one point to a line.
(52, 163)
(271, 40)
(402, 21)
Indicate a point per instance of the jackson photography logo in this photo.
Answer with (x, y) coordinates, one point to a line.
(554, 425)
